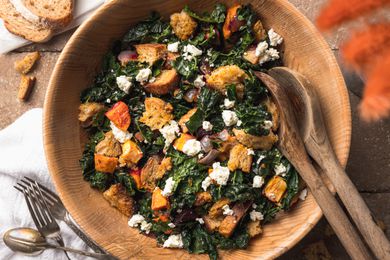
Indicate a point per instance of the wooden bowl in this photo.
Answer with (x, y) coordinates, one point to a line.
(305, 51)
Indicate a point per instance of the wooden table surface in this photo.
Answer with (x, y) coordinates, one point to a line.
(368, 165)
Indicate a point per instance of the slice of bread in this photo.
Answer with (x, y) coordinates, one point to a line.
(17, 24)
(57, 13)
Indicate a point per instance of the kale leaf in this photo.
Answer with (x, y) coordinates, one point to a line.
(100, 180)
(217, 15)
(292, 180)
(186, 68)
(198, 241)
(87, 162)
(252, 118)
(127, 181)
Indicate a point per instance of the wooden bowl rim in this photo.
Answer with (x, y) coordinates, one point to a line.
(49, 139)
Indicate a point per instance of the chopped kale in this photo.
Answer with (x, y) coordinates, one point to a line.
(252, 118)
(216, 16)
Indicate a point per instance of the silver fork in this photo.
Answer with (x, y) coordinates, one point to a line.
(59, 212)
(40, 213)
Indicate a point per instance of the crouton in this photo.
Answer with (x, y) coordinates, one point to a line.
(164, 83)
(88, 110)
(118, 198)
(24, 65)
(254, 228)
(158, 200)
(184, 119)
(151, 52)
(105, 163)
(240, 159)
(259, 31)
(109, 146)
(183, 25)
(232, 24)
(250, 55)
(154, 170)
(225, 75)
(275, 114)
(25, 87)
(216, 208)
(256, 142)
(131, 154)
(275, 189)
(157, 113)
(202, 198)
(212, 224)
(229, 223)
(226, 146)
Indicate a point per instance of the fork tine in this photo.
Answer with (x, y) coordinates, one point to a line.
(41, 198)
(36, 207)
(19, 189)
(51, 196)
(32, 212)
(41, 203)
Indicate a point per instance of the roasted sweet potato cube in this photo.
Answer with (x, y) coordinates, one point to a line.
(229, 223)
(136, 174)
(179, 142)
(184, 119)
(105, 163)
(232, 24)
(131, 154)
(275, 189)
(119, 115)
(158, 200)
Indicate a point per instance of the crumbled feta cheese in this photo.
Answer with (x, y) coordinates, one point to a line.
(229, 117)
(280, 169)
(174, 241)
(200, 220)
(261, 48)
(250, 151)
(119, 134)
(228, 104)
(239, 122)
(206, 183)
(170, 132)
(169, 183)
(200, 156)
(124, 83)
(227, 210)
(261, 157)
(269, 55)
(274, 38)
(256, 215)
(206, 125)
(173, 47)
(171, 225)
(108, 100)
(179, 211)
(199, 82)
(190, 51)
(258, 181)
(254, 205)
(135, 220)
(220, 174)
(303, 194)
(192, 147)
(143, 75)
(152, 79)
(267, 124)
(145, 226)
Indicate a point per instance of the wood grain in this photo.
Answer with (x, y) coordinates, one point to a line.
(305, 51)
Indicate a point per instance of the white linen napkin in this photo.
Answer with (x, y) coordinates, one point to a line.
(21, 154)
(82, 10)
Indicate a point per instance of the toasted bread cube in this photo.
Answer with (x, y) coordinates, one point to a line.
(157, 113)
(229, 223)
(118, 198)
(184, 119)
(178, 144)
(254, 228)
(119, 115)
(240, 159)
(164, 83)
(24, 65)
(250, 55)
(131, 154)
(226, 146)
(259, 31)
(202, 198)
(216, 209)
(105, 163)
(232, 24)
(154, 170)
(256, 142)
(109, 146)
(88, 110)
(183, 25)
(275, 189)
(211, 224)
(158, 200)
(25, 87)
(151, 52)
(225, 75)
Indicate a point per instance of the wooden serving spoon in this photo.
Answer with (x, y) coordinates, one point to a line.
(308, 114)
(292, 147)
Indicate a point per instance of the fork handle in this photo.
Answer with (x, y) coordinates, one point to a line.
(80, 252)
(82, 235)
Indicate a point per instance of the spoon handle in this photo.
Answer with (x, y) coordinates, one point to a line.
(80, 252)
(351, 199)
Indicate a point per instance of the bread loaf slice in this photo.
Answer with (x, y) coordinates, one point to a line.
(17, 24)
(57, 13)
